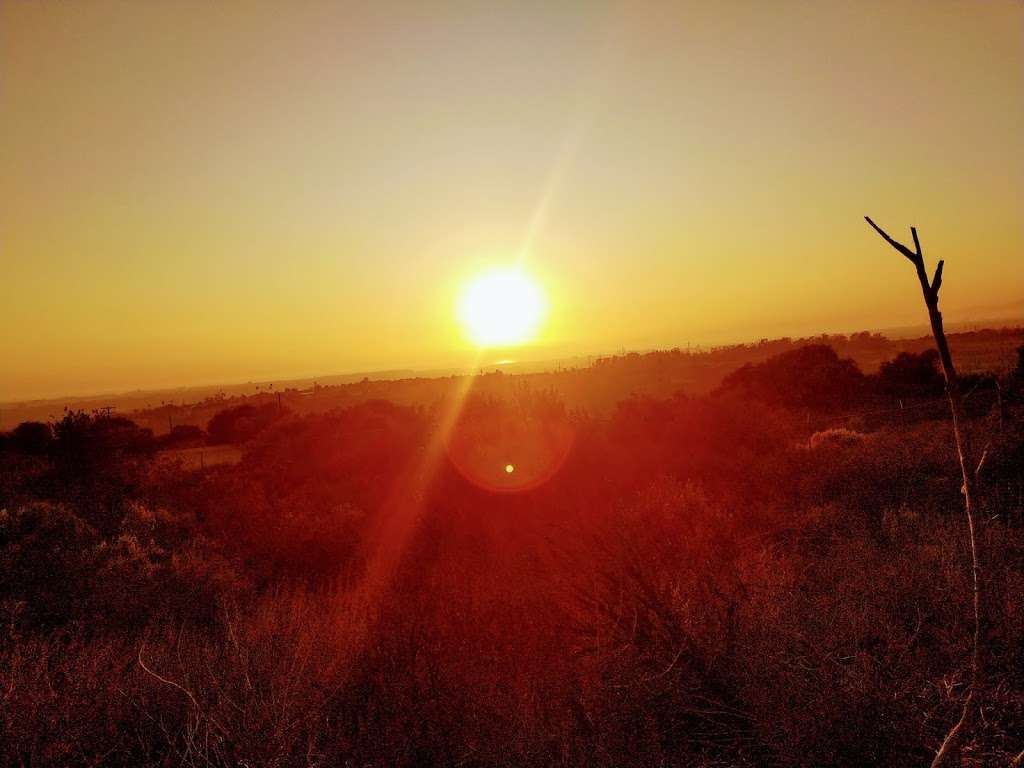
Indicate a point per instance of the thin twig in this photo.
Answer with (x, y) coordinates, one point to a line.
(165, 680)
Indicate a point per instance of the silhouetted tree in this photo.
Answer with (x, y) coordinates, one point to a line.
(31, 437)
(930, 291)
(96, 462)
(184, 436)
(911, 375)
(242, 423)
(808, 377)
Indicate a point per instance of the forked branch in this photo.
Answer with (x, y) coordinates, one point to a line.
(914, 256)
(930, 290)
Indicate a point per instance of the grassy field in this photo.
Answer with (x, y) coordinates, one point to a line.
(201, 456)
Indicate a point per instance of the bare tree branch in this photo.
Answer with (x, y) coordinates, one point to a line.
(930, 291)
(937, 280)
(897, 245)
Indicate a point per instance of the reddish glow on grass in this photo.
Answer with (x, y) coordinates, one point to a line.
(400, 514)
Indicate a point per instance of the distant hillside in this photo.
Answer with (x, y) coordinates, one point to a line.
(594, 387)
(46, 409)
(592, 384)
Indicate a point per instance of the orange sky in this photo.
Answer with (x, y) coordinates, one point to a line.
(196, 192)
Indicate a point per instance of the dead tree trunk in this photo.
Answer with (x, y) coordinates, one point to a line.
(930, 289)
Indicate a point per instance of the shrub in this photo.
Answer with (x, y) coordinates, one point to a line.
(183, 436)
(811, 377)
(911, 375)
(242, 423)
(835, 436)
(31, 437)
(47, 557)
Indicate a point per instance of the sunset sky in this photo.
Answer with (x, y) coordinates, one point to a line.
(197, 192)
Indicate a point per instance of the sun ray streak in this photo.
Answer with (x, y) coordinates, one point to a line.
(399, 515)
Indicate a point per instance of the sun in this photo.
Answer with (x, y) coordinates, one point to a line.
(501, 308)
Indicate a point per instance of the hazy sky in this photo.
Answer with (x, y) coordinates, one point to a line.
(195, 192)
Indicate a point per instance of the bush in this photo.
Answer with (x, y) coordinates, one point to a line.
(58, 571)
(242, 423)
(31, 437)
(835, 436)
(910, 376)
(811, 377)
(183, 436)
(48, 558)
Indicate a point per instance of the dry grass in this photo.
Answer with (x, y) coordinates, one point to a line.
(202, 456)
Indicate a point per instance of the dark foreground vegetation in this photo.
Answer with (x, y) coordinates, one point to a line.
(774, 573)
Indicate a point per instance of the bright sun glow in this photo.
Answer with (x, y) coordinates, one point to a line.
(502, 308)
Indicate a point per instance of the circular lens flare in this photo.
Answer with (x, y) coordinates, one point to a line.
(482, 443)
(502, 308)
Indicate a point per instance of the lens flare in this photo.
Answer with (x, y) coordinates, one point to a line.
(500, 451)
